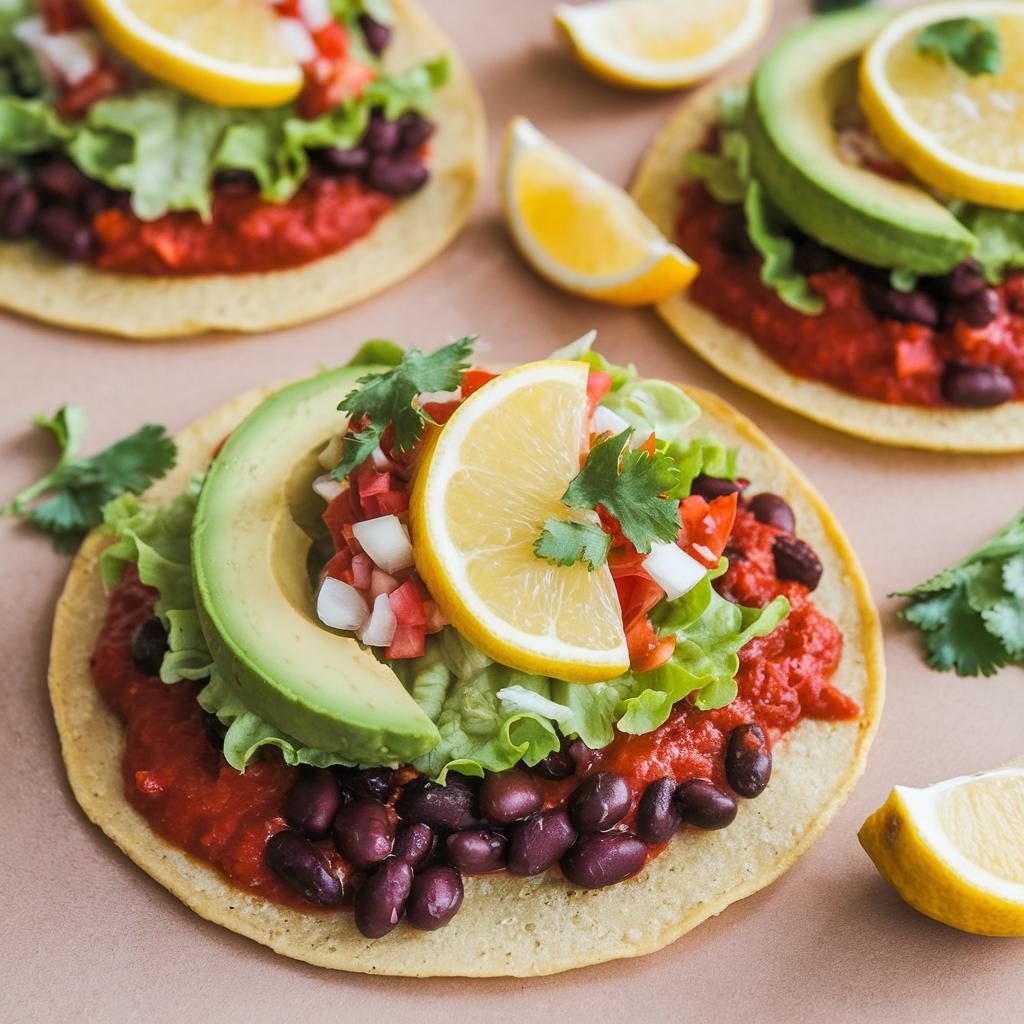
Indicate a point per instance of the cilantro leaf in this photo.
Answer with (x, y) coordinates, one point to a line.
(566, 543)
(630, 486)
(972, 44)
(78, 488)
(387, 398)
(1013, 575)
(1005, 621)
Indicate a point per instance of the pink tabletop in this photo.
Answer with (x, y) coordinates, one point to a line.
(88, 937)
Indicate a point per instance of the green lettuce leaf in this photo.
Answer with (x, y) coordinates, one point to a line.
(20, 74)
(653, 405)
(1000, 235)
(29, 126)
(581, 350)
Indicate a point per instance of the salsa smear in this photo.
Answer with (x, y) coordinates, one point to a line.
(952, 341)
(176, 777)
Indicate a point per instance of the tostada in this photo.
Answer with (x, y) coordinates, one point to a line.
(169, 167)
(410, 668)
(857, 211)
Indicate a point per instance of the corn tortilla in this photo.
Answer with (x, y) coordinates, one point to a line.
(734, 354)
(37, 284)
(507, 925)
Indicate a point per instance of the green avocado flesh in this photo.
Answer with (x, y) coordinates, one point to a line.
(256, 603)
(795, 92)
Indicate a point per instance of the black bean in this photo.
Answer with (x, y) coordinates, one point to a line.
(376, 35)
(344, 161)
(64, 231)
(18, 212)
(889, 304)
(795, 560)
(773, 511)
(963, 281)
(396, 177)
(978, 310)
(748, 761)
(149, 645)
(215, 730)
(559, 764)
(300, 865)
(416, 130)
(603, 858)
(446, 808)
(380, 902)
(477, 851)
(813, 258)
(582, 756)
(976, 387)
(364, 832)
(435, 898)
(61, 180)
(233, 181)
(601, 800)
(508, 796)
(374, 783)
(312, 802)
(540, 842)
(382, 137)
(657, 817)
(711, 487)
(94, 200)
(414, 844)
(731, 233)
(704, 805)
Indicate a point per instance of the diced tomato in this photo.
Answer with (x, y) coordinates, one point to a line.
(436, 620)
(349, 539)
(362, 571)
(392, 503)
(331, 40)
(638, 594)
(640, 639)
(407, 604)
(340, 567)
(599, 384)
(63, 16)
(656, 656)
(408, 642)
(371, 482)
(371, 506)
(441, 412)
(104, 81)
(341, 512)
(474, 380)
(329, 83)
(706, 527)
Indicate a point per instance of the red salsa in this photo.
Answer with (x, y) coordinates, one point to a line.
(190, 796)
(848, 346)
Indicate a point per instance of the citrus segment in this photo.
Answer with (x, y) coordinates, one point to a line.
(486, 485)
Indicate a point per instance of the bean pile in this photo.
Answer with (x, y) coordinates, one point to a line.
(940, 303)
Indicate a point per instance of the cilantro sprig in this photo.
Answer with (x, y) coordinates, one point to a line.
(387, 398)
(74, 492)
(972, 614)
(630, 485)
(972, 44)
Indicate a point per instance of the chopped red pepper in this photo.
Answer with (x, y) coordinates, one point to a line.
(706, 527)
(599, 384)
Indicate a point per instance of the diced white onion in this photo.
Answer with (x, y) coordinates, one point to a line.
(298, 40)
(73, 55)
(429, 397)
(673, 569)
(340, 606)
(380, 461)
(315, 13)
(379, 631)
(382, 583)
(331, 455)
(327, 487)
(386, 541)
(606, 420)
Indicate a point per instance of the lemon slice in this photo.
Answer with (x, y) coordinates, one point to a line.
(955, 851)
(228, 52)
(661, 44)
(486, 485)
(962, 135)
(581, 232)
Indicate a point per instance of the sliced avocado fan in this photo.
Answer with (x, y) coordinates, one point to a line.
(256, 604)
(795, 93)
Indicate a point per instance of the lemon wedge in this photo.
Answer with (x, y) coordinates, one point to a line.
(661, 44)
(955, 851)
(961, 134)
(488, 481)
(581, 232)
(227, 52)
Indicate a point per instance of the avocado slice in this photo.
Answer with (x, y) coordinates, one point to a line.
(795, 91)
(250, 543)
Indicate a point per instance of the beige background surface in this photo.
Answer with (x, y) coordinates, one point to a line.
(85, 936)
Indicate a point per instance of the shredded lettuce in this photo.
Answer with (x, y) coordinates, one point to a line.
(165, 147)
(489, 716)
